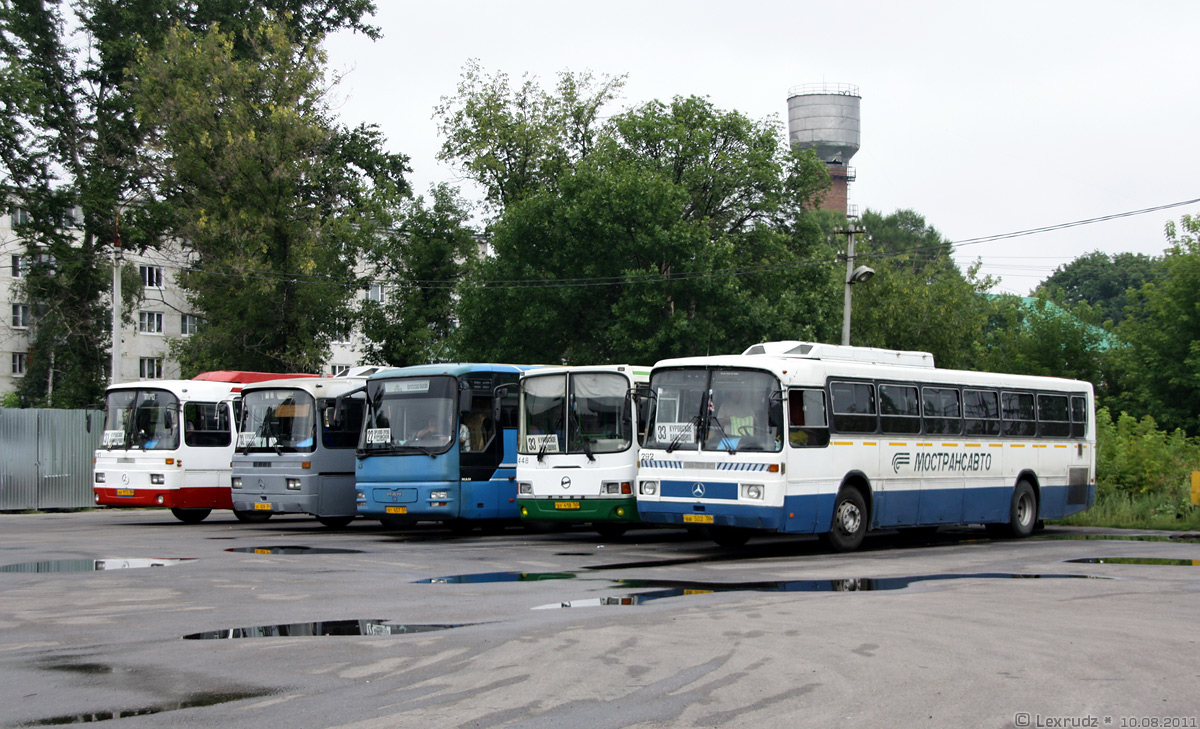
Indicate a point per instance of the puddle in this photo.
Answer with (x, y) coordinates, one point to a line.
(323, 628)
(193, 701)
(293, 550)
(673, 588)
(1113, 537)
(1137, 560)
(91, 565)
(497, 577)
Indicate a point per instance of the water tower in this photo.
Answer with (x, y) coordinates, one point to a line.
(825, 117)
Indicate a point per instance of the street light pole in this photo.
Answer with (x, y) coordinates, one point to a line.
(853, 276)
(116, 305)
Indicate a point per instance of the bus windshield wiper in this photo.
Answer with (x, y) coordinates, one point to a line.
(546, 440)
(694, 422)
(583, 439)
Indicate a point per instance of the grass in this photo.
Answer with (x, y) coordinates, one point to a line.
(1148, 511)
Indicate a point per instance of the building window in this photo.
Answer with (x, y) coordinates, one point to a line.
(336, 369)
(150, 368)
(188, 324)
(18, 266)
(375, 293)
(20, 360)
(20, 315)
(150, 322)
(20, 216)
(152, 276)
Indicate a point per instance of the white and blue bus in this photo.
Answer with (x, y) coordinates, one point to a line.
(577, 448)
(295, 448)
(439, 443)
(802, 438)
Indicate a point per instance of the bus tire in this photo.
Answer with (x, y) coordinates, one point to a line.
(252, 517)
(729, 536)
(191, 516)
(610, 531)
(335, 522)
(849, 524)
(1022, 514)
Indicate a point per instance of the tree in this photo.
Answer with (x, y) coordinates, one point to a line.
(1038, 337)
(274, 200)
(686, 230)
(1102, 281)
(514, 141)
(418, 265)
(1162, 329)
(918, 299)
(68, 145)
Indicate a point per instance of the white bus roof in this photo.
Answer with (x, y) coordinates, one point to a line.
(635, 372)
(866, 355)
(323, 387)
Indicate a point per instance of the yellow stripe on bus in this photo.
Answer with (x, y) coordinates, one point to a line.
(842, 442)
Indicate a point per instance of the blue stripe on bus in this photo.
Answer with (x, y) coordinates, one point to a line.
(813, 513)
(709, 489)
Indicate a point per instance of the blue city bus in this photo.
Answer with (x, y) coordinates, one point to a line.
(439, 443)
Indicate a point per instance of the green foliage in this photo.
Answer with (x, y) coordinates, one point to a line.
(419, 262)
(918, 298)
(684, 231)
(1038, 337)
(1102, 281)
(272, 198)
(515, 141)
(69, 141)
(1162, 362)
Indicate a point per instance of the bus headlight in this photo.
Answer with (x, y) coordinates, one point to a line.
(99, 477)
(360, 496)
(236, 482)
(648, 488)
(157, 479)
(439, 495)
(610, 487)
(752, 491)
(293, 484)
(524, 488)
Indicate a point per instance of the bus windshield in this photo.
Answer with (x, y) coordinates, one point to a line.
(277, 421)
(716, 409)
(593, 418)
(143, 419)
(410, 414)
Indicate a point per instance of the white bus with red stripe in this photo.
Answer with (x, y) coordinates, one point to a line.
(169, 443)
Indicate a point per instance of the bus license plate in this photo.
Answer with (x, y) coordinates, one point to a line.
(566, 504)
(397, 510)
(124, 492)
(697, 519)
(262, 507)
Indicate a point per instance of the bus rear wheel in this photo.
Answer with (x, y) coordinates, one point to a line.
(849, 524)
(191, 516)
(1022, 514)
(252, 517)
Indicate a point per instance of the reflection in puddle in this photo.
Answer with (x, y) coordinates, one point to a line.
(193, 701)
(1112, 537)
(91, 565)
(1137, 560)
(293, 550)
(674, 588)
(322, 628)
(497, 577)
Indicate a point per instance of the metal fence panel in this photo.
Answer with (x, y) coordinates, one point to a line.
(18, 459)
(46, 458)
(67, 440)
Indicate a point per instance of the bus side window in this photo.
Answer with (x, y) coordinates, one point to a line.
(1078, 416)
(807, 424)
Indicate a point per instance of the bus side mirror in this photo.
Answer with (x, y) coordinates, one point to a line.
(464, 401)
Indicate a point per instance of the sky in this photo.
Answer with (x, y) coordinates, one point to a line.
(984, 118)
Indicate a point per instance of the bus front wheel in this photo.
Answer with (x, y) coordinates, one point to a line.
(191, 516)
(1022, 514)
(849, 524)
